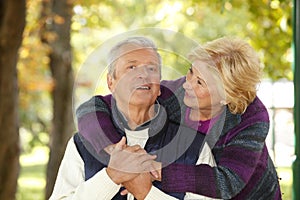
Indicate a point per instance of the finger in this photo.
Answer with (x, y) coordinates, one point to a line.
(109, 148)
(154, 173)
(141, 151)
(134, 148)
(145, 157)
(146, 162)
(121, 144)
(155, 170)
(124, 192)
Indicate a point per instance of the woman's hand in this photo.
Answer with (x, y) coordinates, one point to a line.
(155, 170)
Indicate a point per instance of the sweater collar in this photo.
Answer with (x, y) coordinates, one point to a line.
(225, 123)
(155, 124)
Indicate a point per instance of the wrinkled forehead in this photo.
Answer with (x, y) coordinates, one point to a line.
(132, 48)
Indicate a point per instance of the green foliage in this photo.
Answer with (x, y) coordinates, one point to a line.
(270, 31)
(27, 190)
(32, 180)
(266, 24)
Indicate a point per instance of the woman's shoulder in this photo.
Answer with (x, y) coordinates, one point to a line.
(256, 110)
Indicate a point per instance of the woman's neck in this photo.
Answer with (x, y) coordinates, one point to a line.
(203, 115)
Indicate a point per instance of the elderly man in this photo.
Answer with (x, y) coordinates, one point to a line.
(134, 80)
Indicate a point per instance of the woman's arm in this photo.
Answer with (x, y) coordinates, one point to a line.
(238, 152)
(95, 123)
(233, 171)
(95, 119)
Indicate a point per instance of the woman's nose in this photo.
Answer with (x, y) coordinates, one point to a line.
(187, 85)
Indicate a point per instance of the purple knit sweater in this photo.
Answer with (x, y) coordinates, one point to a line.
(244, 169)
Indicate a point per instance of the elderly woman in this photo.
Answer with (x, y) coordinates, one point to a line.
(221, 102)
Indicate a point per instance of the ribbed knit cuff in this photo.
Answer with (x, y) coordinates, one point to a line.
(178, 178)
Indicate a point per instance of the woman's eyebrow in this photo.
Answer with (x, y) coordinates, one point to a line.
(201, 79)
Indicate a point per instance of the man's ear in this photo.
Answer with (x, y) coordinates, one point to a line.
(109, 80)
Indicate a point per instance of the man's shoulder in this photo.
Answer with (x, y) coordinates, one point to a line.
(95, 103)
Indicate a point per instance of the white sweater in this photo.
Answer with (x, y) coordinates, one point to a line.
(71, 184)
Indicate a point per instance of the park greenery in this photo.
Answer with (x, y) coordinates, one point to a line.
(265, 24)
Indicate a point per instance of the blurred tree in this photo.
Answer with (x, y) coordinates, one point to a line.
(35, 82)
(11, 12)
(94, 22)
(57, 15)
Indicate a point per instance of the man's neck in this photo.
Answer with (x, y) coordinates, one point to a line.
(136, 116)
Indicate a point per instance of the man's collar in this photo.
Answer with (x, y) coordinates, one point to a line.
(122, 122)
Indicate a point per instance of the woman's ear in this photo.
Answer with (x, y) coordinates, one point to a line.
(223, 102)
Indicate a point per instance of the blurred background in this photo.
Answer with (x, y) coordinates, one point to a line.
(45, 49)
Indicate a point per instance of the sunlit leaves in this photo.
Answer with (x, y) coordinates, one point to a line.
(266, 24)
(272, 35)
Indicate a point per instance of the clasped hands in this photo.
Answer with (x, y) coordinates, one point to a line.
(132, 167)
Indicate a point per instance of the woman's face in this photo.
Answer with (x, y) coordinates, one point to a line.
(201, 88)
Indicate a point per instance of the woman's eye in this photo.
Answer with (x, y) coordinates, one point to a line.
(202, 83)
(190, 70)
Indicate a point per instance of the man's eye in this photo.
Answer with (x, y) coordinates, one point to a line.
(151, 68)
(132, 67)
(190, 70)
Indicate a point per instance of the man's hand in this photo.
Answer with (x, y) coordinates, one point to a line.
(126, 162)
(139, 186)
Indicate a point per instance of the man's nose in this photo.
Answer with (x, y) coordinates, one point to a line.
(142, 71)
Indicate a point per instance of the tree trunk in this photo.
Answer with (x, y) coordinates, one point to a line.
(12, 23)
(57, 15)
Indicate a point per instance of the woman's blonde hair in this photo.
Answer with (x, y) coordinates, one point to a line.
(238, 66)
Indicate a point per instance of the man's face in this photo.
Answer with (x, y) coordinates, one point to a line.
(136, 80)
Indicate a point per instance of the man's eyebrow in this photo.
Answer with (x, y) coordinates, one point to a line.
(136, 61)
(131, 61)
(153, 63)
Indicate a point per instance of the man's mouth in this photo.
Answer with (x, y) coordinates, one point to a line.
(143, 88)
